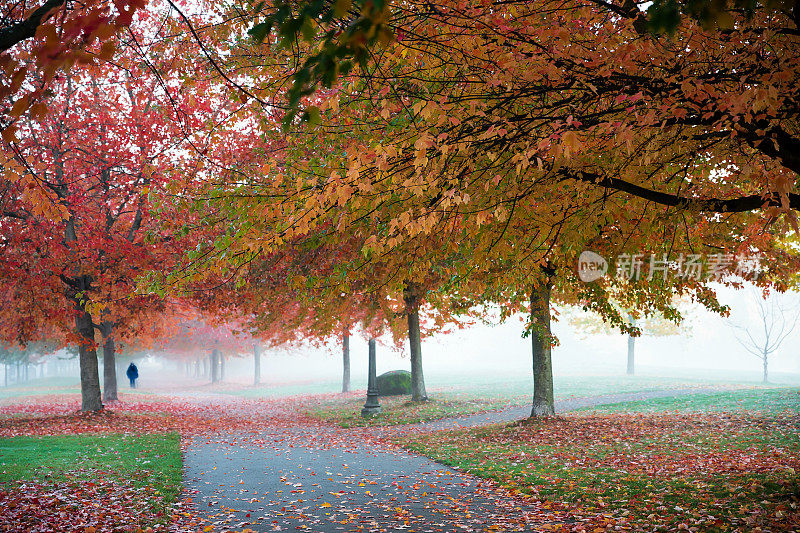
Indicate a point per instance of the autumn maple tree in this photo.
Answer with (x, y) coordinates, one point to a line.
(115, 134)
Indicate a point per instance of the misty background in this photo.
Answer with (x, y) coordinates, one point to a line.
(706, 348)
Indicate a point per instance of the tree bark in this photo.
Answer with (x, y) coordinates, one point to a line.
(256, 364)
(543, 404)
(411, 298)
(87, 355)
(631, 349)
(214, 363)
(221, 366)
(345, 362)
(765, 377)
(109, 362)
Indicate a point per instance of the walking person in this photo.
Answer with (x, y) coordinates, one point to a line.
(133, 374)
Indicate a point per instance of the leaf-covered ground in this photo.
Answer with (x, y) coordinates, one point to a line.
(58, 415)
(699, 471)
(735, 470)
(100, 481)
(117, 470)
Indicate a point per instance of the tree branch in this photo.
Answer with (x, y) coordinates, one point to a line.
(715, 205)
(26, 29)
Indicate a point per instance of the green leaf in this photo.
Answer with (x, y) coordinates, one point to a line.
(260, 31)
(312, 115)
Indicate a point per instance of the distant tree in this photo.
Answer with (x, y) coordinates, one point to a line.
(774, 320)
(655, 325)
(25, 354)
(196, 335)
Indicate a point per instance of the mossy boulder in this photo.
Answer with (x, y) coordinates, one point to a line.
(394, 383)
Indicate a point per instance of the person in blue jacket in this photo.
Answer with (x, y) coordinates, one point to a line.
(133, 374)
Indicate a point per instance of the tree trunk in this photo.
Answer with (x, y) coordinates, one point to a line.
(5, 373)
(765, 378)
(221, 366)
(345, 362)
(631, 345)
(214, 363)
(109, 362)
(256, 364)
(206, 360)
(543, 404)
(87, 355)
(411, 298)
(631, 348)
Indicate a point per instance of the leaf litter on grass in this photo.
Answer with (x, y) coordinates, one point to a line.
(646, 472)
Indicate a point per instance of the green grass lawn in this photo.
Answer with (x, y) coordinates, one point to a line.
(151, 462)
(713, 471)
(41, 386)
(469, 397)
(56, 385)
(512, 388)
(520, 388)
(346, 411)
(769, 401)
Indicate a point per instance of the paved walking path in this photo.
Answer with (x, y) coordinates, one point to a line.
(297, 477)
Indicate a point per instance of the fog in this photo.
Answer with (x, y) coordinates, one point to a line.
(707, 350)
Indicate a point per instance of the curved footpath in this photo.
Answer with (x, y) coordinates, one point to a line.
(327, 479)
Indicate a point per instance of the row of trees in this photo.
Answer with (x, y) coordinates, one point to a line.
(400, 167)
(467, 153)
